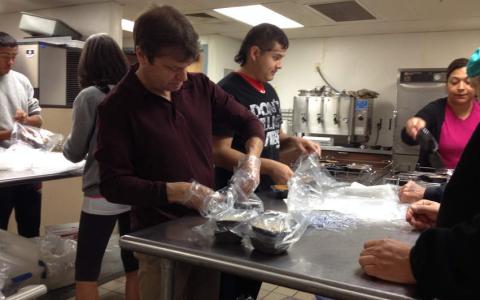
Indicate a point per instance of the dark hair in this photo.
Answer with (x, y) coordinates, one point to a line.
(456, 64)
(165, 28)
(102, 61)
(7, 40)
(263, 36)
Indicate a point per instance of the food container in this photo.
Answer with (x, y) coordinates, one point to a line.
(280, 190)
(271, 232)
(228, 222)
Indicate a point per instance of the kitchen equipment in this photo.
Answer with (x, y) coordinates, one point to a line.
(45, 26)
(287, 119)
(300, 112)
(322, 112)
(52, 70)
(415, 89)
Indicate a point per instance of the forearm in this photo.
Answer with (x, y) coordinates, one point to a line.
(71, 152)
(284, 138)
(34, 120)
(268, 166)
(254, 146)
(227, 158)
(434, 193)
(5, 135)
(133, 190)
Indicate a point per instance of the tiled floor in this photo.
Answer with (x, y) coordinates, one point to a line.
(115, 290)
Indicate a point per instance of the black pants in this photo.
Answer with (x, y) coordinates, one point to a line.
(93, 234)
(27, 201)
(233, 287)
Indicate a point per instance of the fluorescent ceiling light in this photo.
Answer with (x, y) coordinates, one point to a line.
(257, 14)
(127, 25)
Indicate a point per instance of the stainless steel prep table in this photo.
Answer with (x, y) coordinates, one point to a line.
(9, 178)
(323, 262)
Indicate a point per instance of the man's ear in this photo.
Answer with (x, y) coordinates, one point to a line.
(141, 57)
(254, 53)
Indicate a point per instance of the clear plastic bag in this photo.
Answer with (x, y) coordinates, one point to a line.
(58, 255)
(3, 277)
(38, 138)
(20, 262)
(312, 188)
(252, 202)
(310, 184)
(18, 157)
(331, 220)
(48, 260)
(22, 157)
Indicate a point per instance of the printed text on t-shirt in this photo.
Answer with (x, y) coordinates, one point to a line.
(269, 114)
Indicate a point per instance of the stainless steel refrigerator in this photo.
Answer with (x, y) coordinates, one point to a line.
(415, 89)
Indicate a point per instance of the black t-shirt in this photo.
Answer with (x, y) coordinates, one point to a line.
(266, 106)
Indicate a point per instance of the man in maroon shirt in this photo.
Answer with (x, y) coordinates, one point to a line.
(155, 137)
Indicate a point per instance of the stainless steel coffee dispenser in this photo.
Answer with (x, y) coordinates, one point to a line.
(300, 112)
(322, 112)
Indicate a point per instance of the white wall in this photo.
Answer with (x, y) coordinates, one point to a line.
(86, 19)
(221, 51)
(371, 62)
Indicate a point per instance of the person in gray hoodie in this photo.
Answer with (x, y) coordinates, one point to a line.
(102, 64)
(17, 104)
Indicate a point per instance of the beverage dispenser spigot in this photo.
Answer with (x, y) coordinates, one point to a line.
(335, 119)
(319, 118)
(304, 118)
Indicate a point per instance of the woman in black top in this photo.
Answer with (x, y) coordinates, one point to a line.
(445, 260)
(432, 116)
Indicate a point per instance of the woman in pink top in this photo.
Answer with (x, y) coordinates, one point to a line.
(451, 120)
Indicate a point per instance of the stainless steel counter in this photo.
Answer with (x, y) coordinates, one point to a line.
(323, 262)
(64, 169)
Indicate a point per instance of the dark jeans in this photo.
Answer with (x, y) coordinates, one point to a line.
(26, 199)
(233, 287)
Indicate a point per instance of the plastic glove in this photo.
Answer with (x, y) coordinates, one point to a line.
(208, 202)
(218, 202)
(196, 196)
(247, 175)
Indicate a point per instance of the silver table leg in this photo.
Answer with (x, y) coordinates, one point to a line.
(167, 280)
